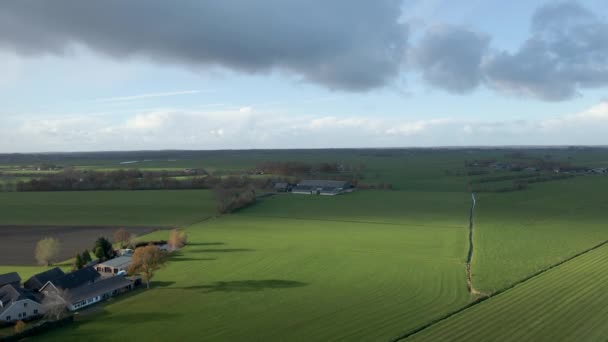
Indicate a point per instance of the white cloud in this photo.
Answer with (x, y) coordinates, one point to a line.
(149, 95)
(193, 129)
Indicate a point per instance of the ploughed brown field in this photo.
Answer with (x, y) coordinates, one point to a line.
(17, 243)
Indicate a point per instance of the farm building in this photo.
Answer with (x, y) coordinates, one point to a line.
(10, 279)
(37, 281)
(113, 266)
(86, 295)
(282, 187)
(18, 304)
(83, 276)
(321, 187)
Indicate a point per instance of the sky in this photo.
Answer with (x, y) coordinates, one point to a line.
(152, 74)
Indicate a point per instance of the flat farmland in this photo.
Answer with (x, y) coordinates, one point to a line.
(567, 303)
(320, 276)
(19, 242)
(106, 208)
(520, 233)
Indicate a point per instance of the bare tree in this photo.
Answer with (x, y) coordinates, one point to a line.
(54, 304)
(177, 239)
(146, 261)
(122, 236)
(47, 251)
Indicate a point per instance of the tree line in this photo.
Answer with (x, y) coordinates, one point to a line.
(133, 179)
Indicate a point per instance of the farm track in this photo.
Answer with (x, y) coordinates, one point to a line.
(499, 292)
(470, 252)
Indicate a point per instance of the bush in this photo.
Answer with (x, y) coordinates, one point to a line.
(20, 327)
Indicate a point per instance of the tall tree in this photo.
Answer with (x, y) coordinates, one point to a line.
(47, 251)
(177, 239)
(122, 237)
(78, 263)
(146, 261)
(103, 249)
(86, 256)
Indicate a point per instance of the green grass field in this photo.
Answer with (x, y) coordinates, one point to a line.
(366, 266)
(567, 303)
(156, 208)
(274, 279)
(519, 233)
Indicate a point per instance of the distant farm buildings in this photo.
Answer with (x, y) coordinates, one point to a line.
(321, 187)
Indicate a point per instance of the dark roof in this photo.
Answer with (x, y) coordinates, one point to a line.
(323, 183)
(9, 278)
(97, 289)
(77, 278)
(37, 281)
(10, 293)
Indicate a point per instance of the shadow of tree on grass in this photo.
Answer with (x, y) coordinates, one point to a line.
(221, 250)
(192, 259)
(205, 244)
(247, 285)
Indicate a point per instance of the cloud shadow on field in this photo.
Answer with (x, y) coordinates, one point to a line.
(247, 285)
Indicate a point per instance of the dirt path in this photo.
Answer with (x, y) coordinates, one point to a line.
(470, 252)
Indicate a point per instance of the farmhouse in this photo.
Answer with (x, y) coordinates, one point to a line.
(17, 304)
(10, 279)
(113, 266)
(321, 187)
(36, 282)
(90, 294)
(83, 276)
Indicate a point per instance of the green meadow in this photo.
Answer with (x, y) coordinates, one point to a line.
(519, 233)
(136, 208)
(371, 265)
(567, 303)
(246, 277)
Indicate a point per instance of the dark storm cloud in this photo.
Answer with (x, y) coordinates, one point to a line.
(567, 51)
(450, 58)
(342, 44)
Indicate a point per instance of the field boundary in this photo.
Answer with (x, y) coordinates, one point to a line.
(470, 252)
(496, 293)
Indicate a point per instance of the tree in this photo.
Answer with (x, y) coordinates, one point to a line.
(78, 263)
(122, 236)
(86, 257)
(177, 239)
(47, 251)
(20, 327)
(54, 304)
(147, 260)
(103, 249)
